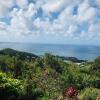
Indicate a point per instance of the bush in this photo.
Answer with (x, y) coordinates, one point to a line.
(10, 88)
(89, 94)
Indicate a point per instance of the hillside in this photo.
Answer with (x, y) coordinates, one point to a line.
(22, 55)
(47, 78)
(73, 59)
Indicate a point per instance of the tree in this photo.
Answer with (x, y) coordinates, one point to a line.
(53, 62)
(18, 70)
(96, 64)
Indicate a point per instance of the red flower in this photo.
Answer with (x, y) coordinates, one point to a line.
(70, 92)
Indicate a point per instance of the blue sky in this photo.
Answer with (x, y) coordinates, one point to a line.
(50, 21)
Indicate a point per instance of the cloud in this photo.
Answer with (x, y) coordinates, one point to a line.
(94, 27)
(98, 2)
(57, 18)
(86, 12)
(32, 10)
(2, 26)
(5, 6)
(53, 6)
(20, 22)
(22, 3)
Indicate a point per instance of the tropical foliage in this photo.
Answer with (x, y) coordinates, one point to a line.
(47, 77)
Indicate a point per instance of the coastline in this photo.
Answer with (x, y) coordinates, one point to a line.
(12, 52)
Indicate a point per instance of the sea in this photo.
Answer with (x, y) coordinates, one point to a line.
(82, 52)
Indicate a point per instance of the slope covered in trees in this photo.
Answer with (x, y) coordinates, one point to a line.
(46, 77)
(20, 54)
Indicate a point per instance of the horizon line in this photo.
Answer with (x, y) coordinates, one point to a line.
(51, 43)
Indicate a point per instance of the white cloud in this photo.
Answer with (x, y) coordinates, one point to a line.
(98, 2)
(86, 12)
(53, 6)
(21, 23)
(3, 26)
(94, 28)
(5, 5)
(28, 20)
(22, 3)
(93, 32)
(50, 6)
(72, 29)
(32, 10)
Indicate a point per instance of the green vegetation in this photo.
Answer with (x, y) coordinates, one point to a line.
(24, 76)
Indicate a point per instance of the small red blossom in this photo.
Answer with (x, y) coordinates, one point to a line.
(70, 92)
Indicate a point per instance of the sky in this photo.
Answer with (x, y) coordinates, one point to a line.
(50, 21)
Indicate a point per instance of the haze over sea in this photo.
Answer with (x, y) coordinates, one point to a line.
(84, 52)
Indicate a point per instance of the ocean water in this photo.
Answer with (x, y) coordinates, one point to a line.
(84, 52)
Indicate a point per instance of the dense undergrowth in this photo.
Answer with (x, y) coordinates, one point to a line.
(46, 78)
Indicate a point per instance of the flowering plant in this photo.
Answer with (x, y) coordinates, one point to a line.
(70, 92)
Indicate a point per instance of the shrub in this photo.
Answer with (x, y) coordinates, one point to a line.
(10, 88)
(89, 94)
